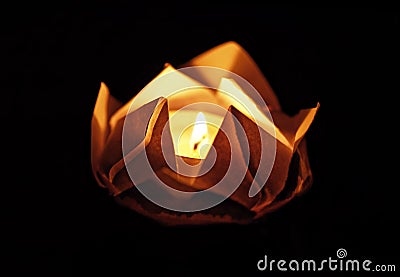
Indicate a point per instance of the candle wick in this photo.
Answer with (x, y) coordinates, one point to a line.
(198, 142)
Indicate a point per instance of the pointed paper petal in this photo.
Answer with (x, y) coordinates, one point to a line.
(105, 107)
(295, 127)
(232, 57)
(246, 106)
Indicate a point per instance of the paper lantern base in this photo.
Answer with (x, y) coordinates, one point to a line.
(226, 212)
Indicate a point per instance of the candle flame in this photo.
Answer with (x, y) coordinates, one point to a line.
(199, 136)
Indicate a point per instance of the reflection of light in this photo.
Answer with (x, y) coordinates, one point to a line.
(199, 136)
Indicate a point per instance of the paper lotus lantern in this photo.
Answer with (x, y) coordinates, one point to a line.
(205, 143)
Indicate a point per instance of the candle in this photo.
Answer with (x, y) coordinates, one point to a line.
(199, 137)
(192, 132)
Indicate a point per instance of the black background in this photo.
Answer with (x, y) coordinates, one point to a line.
(56, 219)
